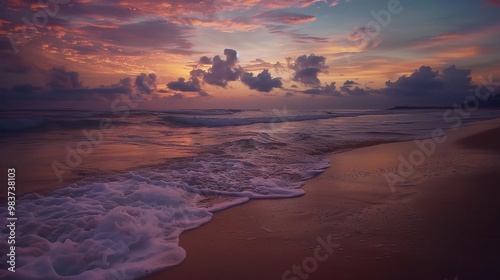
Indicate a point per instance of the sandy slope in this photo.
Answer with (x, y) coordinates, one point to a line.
(442, 222)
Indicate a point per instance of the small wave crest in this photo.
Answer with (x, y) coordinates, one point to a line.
(218, 122)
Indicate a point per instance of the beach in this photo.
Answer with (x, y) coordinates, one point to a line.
(240, 194)
(439, 223)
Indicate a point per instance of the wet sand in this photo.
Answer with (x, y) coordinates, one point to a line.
(439, 223)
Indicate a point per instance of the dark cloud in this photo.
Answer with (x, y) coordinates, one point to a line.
(205, 60)
(59, 78)
(304, 61)
(328, 89)
(223, 71)
(125, 82)
(425, 86)
(422, 81)
(456, 80)
(262, 82)
(192, 85)
(65, 86)
(182, 85)
(353, 91)
(350, 88)
(288, 94)
(146, 83)
(307, 68)
(307, 76)
(348, 82)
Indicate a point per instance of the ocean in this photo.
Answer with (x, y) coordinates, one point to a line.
(106, 195)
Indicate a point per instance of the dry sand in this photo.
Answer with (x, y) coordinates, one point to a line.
(440, 223)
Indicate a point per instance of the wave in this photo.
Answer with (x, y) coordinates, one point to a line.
(129, 226)
(29, 124)
(218, 122)
(205, 112)
(19, 124)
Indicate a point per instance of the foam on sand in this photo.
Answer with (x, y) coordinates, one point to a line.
(130, 224)
(130, 227)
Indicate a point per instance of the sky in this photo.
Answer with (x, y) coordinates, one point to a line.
(260, 54)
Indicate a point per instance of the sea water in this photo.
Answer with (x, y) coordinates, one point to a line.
(118, 211)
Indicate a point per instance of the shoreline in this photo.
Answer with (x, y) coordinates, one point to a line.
(383, 231)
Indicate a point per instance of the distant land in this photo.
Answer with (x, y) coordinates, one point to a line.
(418, 107)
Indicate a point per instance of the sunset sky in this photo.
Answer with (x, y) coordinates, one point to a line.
(246, 54)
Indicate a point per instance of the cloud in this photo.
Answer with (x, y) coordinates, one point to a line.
(64, 87)
(284, 17)
(125, 82)
(205, 60)
(353, 91)
(307, 68)
(152, 33)
(364, 37)
(421, 81)
(451, 84)
(347, 88)
(447, 36)
(296, 36)
(456, 80)
(223, 71)
(328, 89)
(307, 76)
(260, 64)
(223, 25)
(59, 78)
(99, 10)
(192, 85)
(336, 2)
(146, 83)
(262, 82)
(181, 85)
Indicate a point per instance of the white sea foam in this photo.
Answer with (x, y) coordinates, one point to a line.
(130, 226)
(124, 226)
